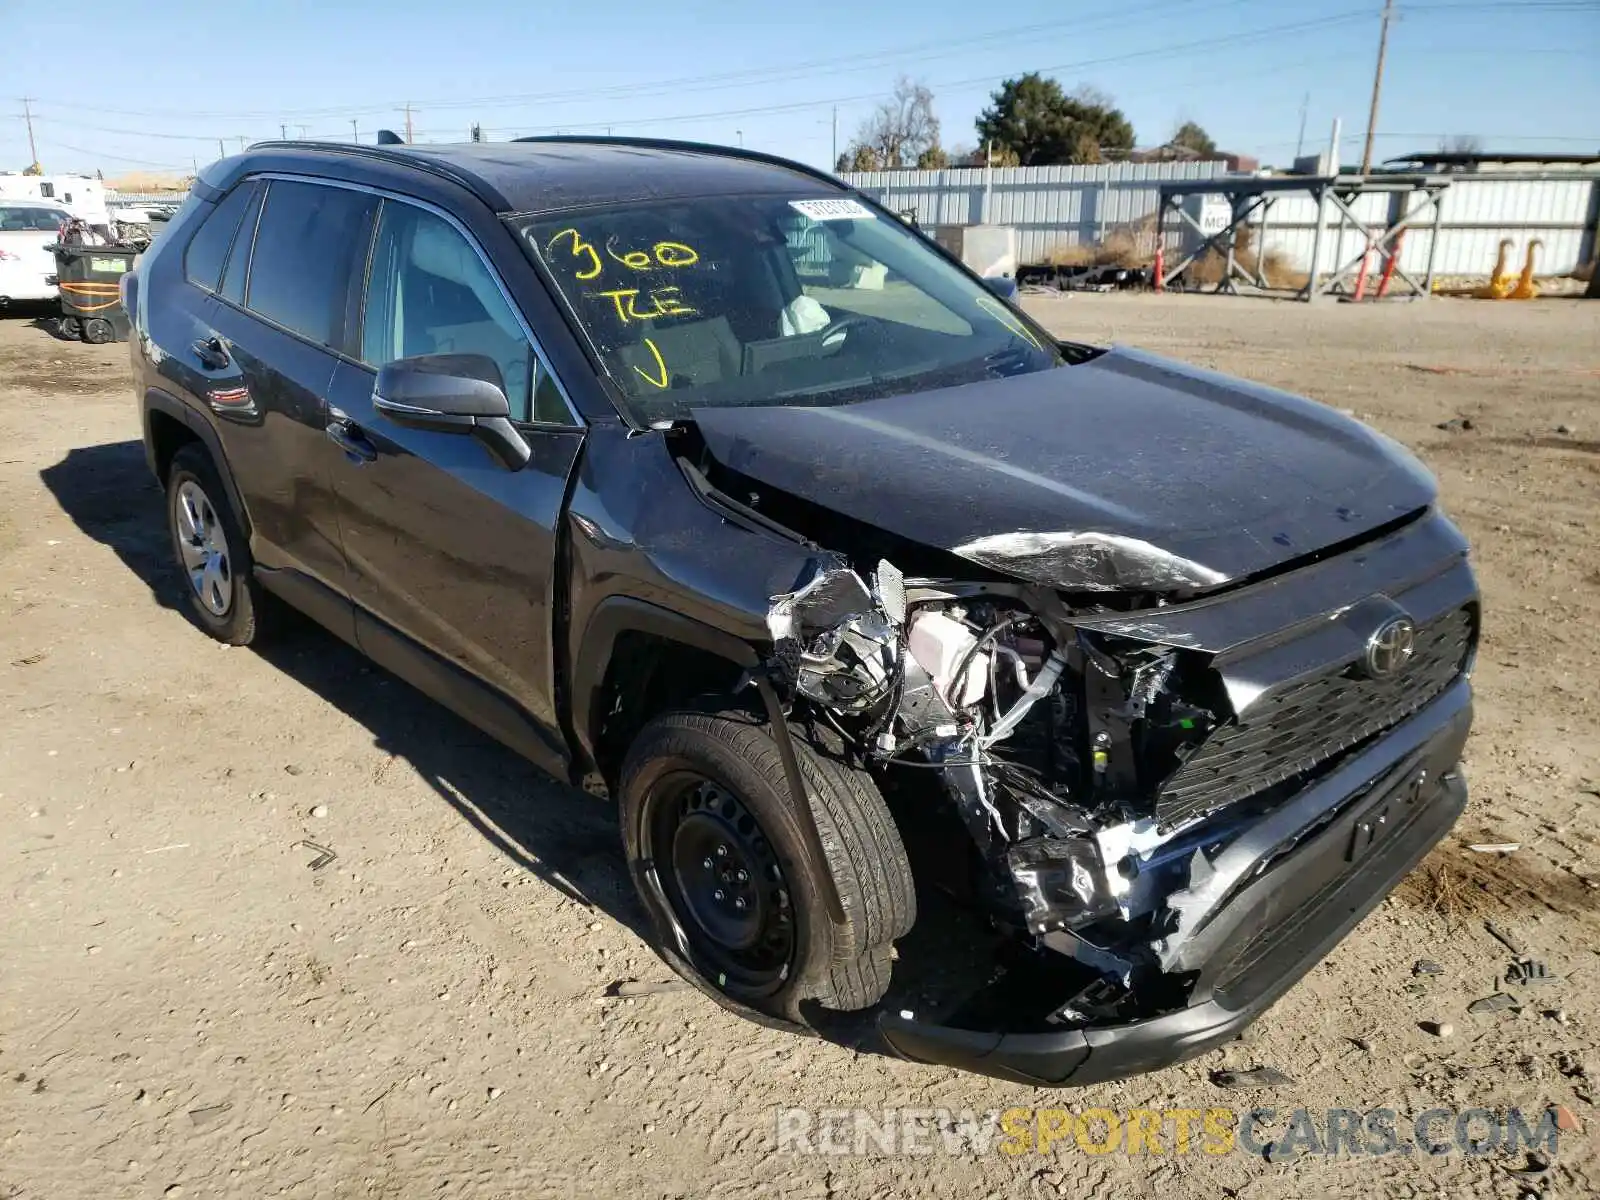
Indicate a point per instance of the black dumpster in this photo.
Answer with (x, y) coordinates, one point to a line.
(90, 279)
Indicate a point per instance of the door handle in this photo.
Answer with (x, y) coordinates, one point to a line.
(351, 440)
(213, 355)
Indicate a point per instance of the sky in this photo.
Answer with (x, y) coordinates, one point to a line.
(161, 89)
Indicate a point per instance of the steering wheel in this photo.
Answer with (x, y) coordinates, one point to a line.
(835, 330)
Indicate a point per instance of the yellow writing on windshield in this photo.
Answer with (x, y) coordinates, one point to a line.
(587, 264)
(675, 254)
(663, 302)
(581, 250)
(634, 260)
(659, 380)
(1009, 319)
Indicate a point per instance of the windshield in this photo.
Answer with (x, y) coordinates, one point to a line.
(768, 300)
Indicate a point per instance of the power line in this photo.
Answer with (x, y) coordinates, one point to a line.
(1142, 56)
(1110, 15)
(139, 162)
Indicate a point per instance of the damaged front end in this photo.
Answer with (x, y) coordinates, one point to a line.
(1081, 757)
(1050, 742)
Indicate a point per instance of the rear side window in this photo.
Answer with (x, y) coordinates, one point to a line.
(208, 249)
(306, 239)
(238, 268)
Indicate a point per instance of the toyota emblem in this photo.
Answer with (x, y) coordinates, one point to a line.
(1390, 647)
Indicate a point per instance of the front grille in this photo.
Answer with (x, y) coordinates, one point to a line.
(1288, 732)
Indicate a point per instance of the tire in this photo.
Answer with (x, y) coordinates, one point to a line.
(69, 328)
(211, 551)
(98, 331)
(730, 758)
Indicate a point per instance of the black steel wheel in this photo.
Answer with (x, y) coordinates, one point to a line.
(724, 883)
(737, 898)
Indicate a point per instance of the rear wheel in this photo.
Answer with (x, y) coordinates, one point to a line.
(211, 551)
(98, 331)
(716, 851)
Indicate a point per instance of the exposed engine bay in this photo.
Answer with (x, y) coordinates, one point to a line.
(1051, 741)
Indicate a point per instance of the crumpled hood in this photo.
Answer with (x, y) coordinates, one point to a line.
(1129, 471)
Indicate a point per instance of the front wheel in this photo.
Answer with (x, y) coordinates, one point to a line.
(715, 848)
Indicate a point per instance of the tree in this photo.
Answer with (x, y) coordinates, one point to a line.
(1190, 136)
(858, 158)
(1462, 143)
(1032, 117)
(477, 132)
(900, 131)
(933, 159)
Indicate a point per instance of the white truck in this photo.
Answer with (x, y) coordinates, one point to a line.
(80, 195)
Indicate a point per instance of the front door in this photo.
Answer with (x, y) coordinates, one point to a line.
(445, 546)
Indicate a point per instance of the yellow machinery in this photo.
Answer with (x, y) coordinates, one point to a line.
(1525, 289)
(1500, 283)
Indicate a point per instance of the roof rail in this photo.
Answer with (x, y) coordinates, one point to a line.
(696, 147)
(401, 155)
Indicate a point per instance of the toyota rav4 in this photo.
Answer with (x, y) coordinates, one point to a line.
(712, 488)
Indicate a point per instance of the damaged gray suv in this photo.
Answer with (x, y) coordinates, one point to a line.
(711, 487)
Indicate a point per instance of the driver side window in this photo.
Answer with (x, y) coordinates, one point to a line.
(429, 292)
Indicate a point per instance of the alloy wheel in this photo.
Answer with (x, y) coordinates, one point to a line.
(203, 546)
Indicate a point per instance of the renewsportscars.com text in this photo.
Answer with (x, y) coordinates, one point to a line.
(1162, 1131)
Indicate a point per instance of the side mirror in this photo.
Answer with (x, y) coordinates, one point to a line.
(1003, 286)
(452, 393)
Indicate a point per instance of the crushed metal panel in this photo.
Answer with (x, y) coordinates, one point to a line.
(1096, 562)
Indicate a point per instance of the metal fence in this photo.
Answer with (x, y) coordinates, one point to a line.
(142, 199)
(1477, 213)
(1051, 208)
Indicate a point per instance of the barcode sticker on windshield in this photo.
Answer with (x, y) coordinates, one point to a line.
(832, 210)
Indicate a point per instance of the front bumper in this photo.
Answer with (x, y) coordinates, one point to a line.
(1312, 869)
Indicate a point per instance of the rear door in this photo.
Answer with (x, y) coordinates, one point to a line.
(279, 310)
(446, 547)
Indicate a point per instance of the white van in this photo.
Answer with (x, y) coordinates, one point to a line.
(27, 268)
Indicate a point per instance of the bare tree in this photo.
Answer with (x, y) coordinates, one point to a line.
(1462, 143)
(902, 130)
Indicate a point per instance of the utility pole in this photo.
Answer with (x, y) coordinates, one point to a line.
(407, 111)
(836, 135)
(1377, 85)
(302, 129)
(242, 140)
(27, 116)
(283, 131)
(355, 134)
(739, 133)
(221, 153)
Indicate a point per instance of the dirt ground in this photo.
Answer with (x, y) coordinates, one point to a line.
(189, 1007)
